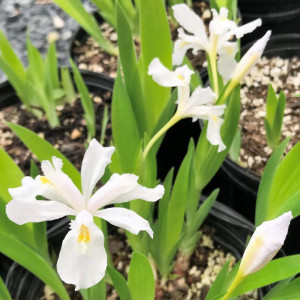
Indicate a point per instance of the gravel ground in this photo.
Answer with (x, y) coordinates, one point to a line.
(43, 20)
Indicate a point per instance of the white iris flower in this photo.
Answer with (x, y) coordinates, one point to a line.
(218, 42)
(266, 241)
(82, 260)
(264, 244)
(199, 105)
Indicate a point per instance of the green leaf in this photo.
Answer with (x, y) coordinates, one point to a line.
(140, 278)
(11, 177)
(8, 54)
(75, 9)
(285, 183)
(274, 117)
(107, 10)
(194, 221)
(234, 150)
(67, 84)
(262, 202)
(207, 158)
(4, 294)
(178, 200)
(17, 82)
(290, 290)
(277, 288)
(44, 150)
(105, 119)
(96, 292)
(86, 101)
(124, 127)
(274, 271)
(119, 283)
(51, 66)
(218, 284)
(130, 68)
(155, 42)
(31, 260)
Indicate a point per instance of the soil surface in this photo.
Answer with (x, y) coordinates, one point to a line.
(284, 75)
(70, 138)
(90, 56)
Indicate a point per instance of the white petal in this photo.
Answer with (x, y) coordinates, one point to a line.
(26, 190)
(213, 132)
(250, 58)
(162, 75)
(226, 61)
(190, 21)
(193, 107)
(31, 188)
(62, 183)
(202, 96)
(31, 210)
(126, 219)
(265, 243)
(82, 263)
(247, 28)
(220, 24)
(95, 160)
(183, 44)
(123, 188)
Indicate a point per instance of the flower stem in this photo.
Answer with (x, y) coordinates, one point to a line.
(237, 280)
(171, 122)
(212, 55)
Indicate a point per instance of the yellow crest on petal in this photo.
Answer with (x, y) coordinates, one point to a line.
(84, 234)
(45, 180)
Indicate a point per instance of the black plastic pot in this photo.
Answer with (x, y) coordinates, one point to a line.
(239, 186)
(280, 16)
(231, 233)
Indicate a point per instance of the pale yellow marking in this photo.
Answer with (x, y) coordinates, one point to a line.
(180, 77)
(214, 118)
(183, 43)
(84, 234)
(45, 180)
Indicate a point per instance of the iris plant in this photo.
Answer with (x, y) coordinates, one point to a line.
(82, 260)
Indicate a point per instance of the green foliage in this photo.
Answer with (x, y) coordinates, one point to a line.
(279, 190)
(119, 283)
(274, 271)
(124, 127)
(195, 217)
(155, 42)
(33, 261)
(38, 86)
(4, 294)
(262, 201)
(218, 284)
(67, 84)
(96, 292)
(86, 101)
(274, 117)
(11, 177)
(234, 150)
(207, 159)
(129, 63)
(172, 207)
(287, 289)
(44, 150)
(140, 278)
